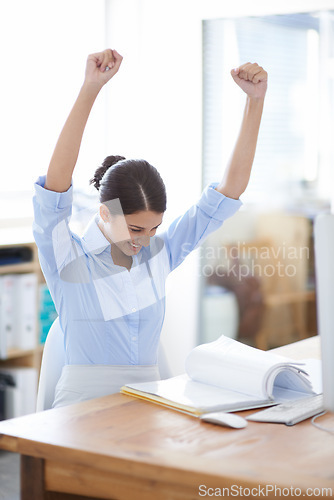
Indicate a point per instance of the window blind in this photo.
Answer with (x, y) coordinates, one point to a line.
(281, 44)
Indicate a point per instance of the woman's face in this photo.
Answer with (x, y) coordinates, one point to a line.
(131, 232)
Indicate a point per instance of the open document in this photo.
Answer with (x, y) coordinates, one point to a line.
(228, 375)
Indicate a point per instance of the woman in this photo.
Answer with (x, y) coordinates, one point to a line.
(109, 285)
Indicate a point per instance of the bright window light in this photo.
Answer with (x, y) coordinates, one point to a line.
(44, 46)
(293, 147)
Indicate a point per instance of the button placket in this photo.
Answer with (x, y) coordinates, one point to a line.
(133, 318)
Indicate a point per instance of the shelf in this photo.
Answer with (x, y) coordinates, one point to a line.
(22, 248)
(20, 353)
(28, 265)
(25, 267)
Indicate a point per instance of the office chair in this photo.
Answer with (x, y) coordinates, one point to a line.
(53, 360)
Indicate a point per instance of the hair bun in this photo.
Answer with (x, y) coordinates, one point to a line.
(100, 171)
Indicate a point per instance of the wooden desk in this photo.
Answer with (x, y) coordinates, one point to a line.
(118, 447)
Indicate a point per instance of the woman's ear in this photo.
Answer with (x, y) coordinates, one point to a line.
(104, 213)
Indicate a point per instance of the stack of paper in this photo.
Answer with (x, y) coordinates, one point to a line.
(228, 375)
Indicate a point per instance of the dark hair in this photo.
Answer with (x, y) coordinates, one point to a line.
(137, 184)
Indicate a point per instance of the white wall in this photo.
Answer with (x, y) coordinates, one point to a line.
(43, 50)
(160, 112)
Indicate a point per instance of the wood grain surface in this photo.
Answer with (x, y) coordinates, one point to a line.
(120, 447)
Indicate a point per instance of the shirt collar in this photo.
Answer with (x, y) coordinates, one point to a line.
(94, 240)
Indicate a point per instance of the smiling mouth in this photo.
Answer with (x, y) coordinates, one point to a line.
(134, 246)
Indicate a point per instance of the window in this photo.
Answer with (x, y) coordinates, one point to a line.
(44, 46)
(294, 149)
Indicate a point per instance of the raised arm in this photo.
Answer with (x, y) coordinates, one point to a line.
(100, 68)
(252, 79)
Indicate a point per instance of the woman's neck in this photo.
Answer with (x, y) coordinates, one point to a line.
(119, 258)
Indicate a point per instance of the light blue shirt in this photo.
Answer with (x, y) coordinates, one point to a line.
(110, 315)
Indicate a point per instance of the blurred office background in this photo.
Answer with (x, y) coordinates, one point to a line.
(175, 104)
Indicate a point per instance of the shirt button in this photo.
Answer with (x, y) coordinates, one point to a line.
(134, 309)
(134, 338)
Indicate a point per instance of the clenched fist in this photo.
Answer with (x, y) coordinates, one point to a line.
(252, 78)
(102, 66)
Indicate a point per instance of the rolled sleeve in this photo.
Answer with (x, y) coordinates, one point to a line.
(203, 218)
(52, 212)
(51, 200)
(216, 205)
(50, 208)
